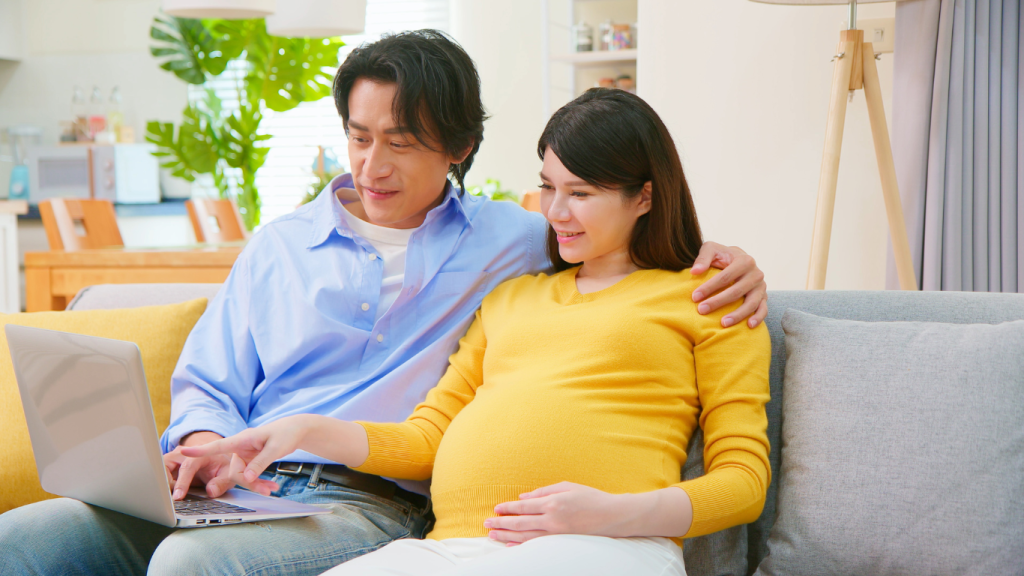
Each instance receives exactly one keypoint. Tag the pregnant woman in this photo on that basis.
(555, 439)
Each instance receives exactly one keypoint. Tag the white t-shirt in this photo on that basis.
(391, 244)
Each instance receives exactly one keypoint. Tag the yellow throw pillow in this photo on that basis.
(159, 332)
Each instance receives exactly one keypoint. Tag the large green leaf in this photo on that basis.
(200, 145)
(162, 134)
(299, 70)
(242, 148)
(191, 51)
(233, 37)
(281, 73)
(195, 148)
(287, 71)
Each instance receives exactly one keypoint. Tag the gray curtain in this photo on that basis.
(958, 139)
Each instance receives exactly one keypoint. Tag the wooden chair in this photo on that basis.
(216, 220)
(531, 200)
(96, 217)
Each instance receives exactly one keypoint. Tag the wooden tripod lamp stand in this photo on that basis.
(855, 69)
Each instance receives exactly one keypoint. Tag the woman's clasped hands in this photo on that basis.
(568, 508)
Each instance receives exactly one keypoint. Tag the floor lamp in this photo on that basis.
(855, 69)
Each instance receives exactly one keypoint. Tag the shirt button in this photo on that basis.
(380, 337)
(373, 256)
(365, 306)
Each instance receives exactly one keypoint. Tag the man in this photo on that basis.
(348, 307)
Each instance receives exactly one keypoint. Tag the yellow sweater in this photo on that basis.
(602, 389)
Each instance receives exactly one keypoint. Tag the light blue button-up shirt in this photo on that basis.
(287, 333)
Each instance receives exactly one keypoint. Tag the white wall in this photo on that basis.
(744, 89)
(503, 39)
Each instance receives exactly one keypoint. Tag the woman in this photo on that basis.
(568, 407)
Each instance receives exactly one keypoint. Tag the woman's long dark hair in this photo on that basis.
(613, 139)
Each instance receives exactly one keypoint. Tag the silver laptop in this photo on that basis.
(94, 436)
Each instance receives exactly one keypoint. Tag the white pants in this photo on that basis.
(557, 555)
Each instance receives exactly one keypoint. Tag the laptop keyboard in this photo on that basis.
(195, 506)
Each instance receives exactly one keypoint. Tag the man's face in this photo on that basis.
(398, 179)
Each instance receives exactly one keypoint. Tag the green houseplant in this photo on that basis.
(492, 189)
(278, 74)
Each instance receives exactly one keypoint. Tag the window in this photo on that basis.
(287, 173)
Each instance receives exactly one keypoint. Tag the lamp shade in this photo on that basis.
(226, 9)
(318, 18)
(819, 2)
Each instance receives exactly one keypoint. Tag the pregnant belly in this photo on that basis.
(485, 459)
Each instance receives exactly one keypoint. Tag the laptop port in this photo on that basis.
(214, 521)
(200, 521)
(232, 520)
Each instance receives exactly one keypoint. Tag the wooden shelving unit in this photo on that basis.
(598, 58)
(581, 65)
(11, 48)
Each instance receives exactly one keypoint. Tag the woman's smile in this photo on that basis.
(566, 237)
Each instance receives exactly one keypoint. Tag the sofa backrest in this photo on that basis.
(736, 551)
(111, 296)
(739, 550)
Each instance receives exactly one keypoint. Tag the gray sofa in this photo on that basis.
(739, 551)
(736, 551)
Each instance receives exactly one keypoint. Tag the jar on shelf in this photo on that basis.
(97, 115)
(605, 83)
(621, 38)
(582, 37)
(604, 35)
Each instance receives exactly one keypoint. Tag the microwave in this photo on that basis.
(121, 173)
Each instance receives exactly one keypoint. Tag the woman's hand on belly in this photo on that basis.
(568, 508)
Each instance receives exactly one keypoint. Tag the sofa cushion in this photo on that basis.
(902, 449)
(159, 332)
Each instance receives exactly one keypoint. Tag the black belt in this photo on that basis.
(344, 476)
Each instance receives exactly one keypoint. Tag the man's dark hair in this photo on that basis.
(437, 99)
(613, 139)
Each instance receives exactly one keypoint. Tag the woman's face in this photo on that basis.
(592, 223)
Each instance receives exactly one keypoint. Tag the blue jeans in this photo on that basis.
(64, 536)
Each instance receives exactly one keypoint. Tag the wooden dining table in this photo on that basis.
(52, 278)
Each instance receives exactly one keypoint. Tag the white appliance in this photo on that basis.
(125, 174)
(58, 172)
(121, 173)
